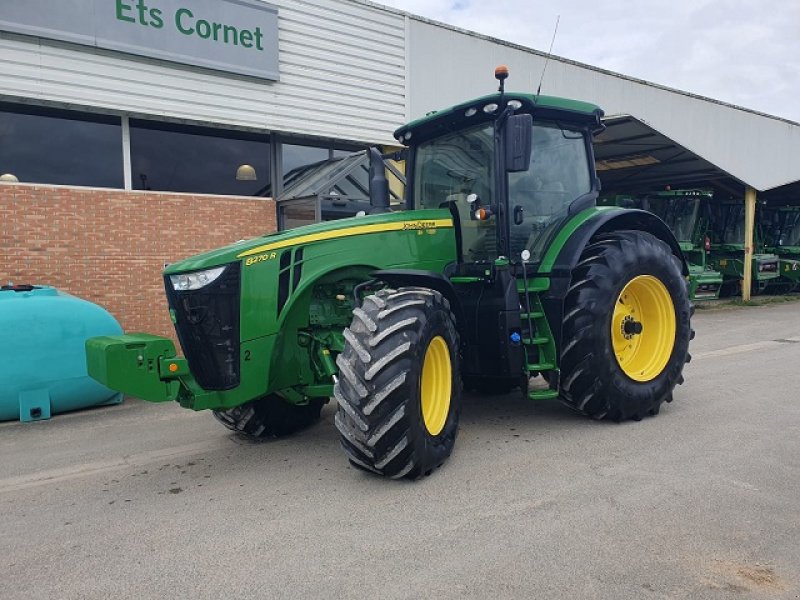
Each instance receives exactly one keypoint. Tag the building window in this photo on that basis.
(201, 160)
(295, 158)
(43, 145)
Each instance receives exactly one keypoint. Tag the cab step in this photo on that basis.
(532, 315)
(537, 341)
(543, 394)
(539, 367)
(533, 285)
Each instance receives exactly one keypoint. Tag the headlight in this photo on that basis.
(768, 267)
(184, 282)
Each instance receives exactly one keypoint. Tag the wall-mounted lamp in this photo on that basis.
(246, 173)
(9, 178)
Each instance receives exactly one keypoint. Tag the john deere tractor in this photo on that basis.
(727, 250)
(502, 268)
(782, 231)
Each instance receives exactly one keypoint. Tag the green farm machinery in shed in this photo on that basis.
(781, 225)
(728, 246)
(687, 214)
(501, 268)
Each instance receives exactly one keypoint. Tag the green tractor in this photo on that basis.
(727, 250)
(501, 268)
(782, 227)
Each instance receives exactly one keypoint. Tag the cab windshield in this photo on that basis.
(539, 198)
(790, 228)
(680, 214)
(730, 220)
(450, 168)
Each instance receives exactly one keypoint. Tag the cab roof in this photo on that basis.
(544, 107)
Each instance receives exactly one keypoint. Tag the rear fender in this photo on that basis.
(616, 220)
(607, 221)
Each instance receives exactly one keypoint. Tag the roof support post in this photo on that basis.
(749, 226)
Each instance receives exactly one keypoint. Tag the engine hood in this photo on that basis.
(308, 234)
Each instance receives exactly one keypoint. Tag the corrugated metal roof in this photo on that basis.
(448, 64)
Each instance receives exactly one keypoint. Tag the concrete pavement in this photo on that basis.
(703, 501)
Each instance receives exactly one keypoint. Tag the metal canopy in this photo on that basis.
(332, 189)
(632, 157)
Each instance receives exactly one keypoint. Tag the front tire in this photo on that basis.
(626, 328)
(270, 417)
(399, 385)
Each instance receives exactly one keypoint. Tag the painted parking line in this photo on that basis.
(742, 348)
(12, 484)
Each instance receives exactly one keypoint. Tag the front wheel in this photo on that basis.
(270, 416)
(626, 328)
(399, 385)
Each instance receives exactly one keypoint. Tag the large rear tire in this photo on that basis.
(399, 386)
(626, 328)
(270, 417)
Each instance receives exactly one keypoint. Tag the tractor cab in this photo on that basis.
(782, 234)
(727, 249)
(782, 226)
(684, 212)
(511, 168)
(687, 214)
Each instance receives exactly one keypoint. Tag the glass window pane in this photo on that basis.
(448, 170)
(199, 160)
(297, 213)
(559, 173)
(340, 151)
(41, 145)
(455, 165)
(296, 157)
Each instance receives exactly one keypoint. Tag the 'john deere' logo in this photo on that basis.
(417, 225)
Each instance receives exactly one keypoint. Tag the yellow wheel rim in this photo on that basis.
(436, 385)
(643, 328)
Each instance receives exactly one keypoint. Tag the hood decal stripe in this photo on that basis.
(415, 225)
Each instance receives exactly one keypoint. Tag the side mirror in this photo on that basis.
(518, 134)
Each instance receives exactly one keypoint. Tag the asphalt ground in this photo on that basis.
(703, 501)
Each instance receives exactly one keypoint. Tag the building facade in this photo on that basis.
(136, 132)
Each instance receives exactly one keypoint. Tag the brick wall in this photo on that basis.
(109, 247)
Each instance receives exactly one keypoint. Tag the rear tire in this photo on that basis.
(270, 416)
(626, 328)
(399, 385)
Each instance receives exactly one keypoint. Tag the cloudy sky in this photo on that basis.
(746, 52)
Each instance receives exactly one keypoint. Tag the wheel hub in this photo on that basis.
(631, 327)
(643, 328)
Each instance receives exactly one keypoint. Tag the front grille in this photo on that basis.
(207, 324)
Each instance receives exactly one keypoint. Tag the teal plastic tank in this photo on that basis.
(42, 356)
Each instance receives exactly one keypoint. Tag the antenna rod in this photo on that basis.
(549, 53)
